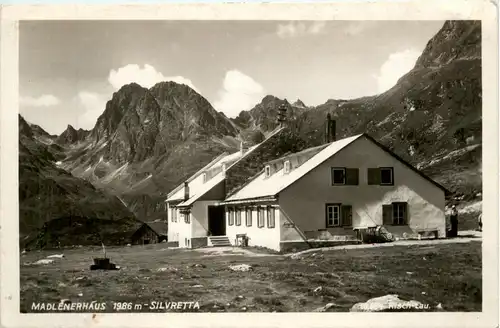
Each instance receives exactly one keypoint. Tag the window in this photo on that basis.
(333, 215)
(338, 176)
(399, 213)
(270, 217)
(268, 171)
(172, 214)
(187, 217)
(395, 214)
(286, 167)
(386, 175)
(345, 176)
(260, 217)
(346, 211)
(381, 176)
(230, 217)
(248, 217)
(238, 217)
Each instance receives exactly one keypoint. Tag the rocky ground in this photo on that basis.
(445, 277)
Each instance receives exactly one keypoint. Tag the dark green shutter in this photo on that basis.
(346, 217)
(373, 176)
(352, 177)
(387, 214)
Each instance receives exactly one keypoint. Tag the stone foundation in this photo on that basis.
(295, 246)
(172, 244)
(199, 242)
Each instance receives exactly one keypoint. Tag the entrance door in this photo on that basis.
(216, 221)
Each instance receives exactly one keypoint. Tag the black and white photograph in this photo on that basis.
(251, 166)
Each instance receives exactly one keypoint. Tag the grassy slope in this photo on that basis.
(448, 273)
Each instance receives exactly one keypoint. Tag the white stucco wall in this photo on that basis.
(194, 185)
(304, 201)
(199, 218)
(265, 237)
(180, 230)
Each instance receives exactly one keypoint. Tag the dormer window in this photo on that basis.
(286, 168)
(267, 169)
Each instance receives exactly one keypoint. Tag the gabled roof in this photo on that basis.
(261, 186)
(206, 187)
(160, 227)
(387, 150)
(200, 171)
(270, 186)
(200, 189)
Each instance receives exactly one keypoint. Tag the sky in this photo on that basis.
(68, 70)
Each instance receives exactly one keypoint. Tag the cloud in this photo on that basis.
(42, 101)
(297, 29)
(146, 77)
(398, 64)
(239, 92)
(93, 105)
(357, 28)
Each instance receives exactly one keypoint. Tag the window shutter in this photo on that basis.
(405, 215)
(387, 214)
(373, 176)
(346, 215)
(352, 177)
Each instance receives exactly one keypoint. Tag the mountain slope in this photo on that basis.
(149, 140)
(431, 117)
(51, 196)
(263, 117)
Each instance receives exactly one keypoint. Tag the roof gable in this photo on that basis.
(411, 167)
(159, 227)
(262, 186)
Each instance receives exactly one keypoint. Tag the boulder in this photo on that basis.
(386, 303)
(240, 267)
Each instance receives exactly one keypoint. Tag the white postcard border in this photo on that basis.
(411, 10)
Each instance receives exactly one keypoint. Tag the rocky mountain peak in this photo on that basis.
(71, 136)
(299, 103)
(456, 40)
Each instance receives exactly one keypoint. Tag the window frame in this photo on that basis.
(391, 169)
(260, 217)
(172, 213)
(287, 167)
(230, 217)
(267, 170)
(271, 214)
(342, 222)
(401, 221)
(333, 205)
(248, 216)
(344, 170)
(187, 217)
(237, 214)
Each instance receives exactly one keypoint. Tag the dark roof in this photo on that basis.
(387, 150)
(160, 227)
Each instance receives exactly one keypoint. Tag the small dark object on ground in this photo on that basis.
(103, 264)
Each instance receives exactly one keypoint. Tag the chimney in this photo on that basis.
(242, 148)
(328, 136)
(186, 191)
(333, 130)
(330, 129)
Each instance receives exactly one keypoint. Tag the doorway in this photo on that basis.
(216, 221)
